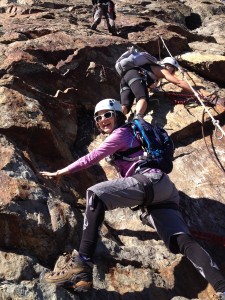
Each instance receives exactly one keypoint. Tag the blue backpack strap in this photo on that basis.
(138, 124)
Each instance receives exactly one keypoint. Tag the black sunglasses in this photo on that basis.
(106, 115)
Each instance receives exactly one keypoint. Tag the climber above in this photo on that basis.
(141, 182)
(106, 9)
(136, 82)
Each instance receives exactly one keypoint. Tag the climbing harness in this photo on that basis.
(197, 95)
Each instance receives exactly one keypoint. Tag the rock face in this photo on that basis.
(53, 70)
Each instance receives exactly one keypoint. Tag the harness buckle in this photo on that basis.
(144, 218)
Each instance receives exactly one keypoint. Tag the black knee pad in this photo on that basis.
(182, 242)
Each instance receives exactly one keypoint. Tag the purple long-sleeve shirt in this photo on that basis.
(121, 139)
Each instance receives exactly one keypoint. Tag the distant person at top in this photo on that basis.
(106, 9)
(136, 82)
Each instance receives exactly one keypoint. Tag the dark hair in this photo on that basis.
(120, 119)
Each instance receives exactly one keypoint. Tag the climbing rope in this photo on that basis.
(179, 98)
(214, 158)
(197, 95)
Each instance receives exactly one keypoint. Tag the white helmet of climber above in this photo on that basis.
(171, 61)
(108, 104)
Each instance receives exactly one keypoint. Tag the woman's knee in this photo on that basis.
(182, 242)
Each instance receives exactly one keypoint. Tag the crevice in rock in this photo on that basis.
(111, 262)
(86, 129)
(125, 30)
(194, 130)
(36, 33)
(193, 21)
(50, 57)
(49, 16)
(190, 36)
(54, 5)
(38, 140)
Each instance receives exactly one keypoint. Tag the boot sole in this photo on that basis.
(81, 286)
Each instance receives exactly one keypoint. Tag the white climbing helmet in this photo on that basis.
(171, 61)
(108, 104)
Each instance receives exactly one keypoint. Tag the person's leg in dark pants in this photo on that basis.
(94, 217)
(78, 271)
(137, 86)
(201, 260)
(97, 18)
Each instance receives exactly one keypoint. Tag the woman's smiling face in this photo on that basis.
(105, 120)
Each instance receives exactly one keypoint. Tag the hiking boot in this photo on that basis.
(73, 273)
(63, 260)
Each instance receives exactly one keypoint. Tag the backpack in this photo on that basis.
(133, 58)
(157, 145)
